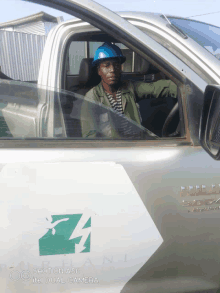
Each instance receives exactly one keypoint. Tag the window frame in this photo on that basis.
(163, 140)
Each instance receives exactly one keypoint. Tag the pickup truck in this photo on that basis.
(140, 213)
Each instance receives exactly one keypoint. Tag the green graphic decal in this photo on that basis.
(61, 237)
(88, 224)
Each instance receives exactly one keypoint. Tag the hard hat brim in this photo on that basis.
(98, 61)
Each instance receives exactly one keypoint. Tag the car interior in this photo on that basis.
(79, 77)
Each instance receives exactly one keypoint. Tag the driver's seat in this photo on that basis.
(87, 79)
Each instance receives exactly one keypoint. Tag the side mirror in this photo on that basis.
(209, 133)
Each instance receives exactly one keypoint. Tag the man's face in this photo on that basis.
(110, 71)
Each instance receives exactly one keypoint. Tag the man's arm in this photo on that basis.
(158, 89)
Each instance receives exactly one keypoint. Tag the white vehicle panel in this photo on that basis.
(45, 201)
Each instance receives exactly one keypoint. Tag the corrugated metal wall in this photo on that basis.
(20, 54)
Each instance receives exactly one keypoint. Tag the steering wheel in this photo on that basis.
(169, 120)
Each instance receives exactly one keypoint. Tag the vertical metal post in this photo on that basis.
(86, 49)
(133, 57)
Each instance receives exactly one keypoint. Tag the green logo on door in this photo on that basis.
(66, 234)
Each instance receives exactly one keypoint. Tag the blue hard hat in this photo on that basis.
(107, 51)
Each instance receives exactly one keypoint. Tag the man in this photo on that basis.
(121, 96)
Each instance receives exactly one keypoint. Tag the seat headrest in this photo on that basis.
(85, 70)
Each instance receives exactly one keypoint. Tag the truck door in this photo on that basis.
(105, 215)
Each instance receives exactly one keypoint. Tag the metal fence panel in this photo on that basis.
(20, 54)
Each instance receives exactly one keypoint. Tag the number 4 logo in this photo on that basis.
(66, 234)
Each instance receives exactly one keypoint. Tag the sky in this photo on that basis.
(14, 9)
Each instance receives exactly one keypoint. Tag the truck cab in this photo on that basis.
(137, 213)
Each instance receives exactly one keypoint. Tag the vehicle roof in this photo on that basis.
(151, 15)
(156, 16)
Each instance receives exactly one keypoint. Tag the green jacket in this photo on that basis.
(131, 93)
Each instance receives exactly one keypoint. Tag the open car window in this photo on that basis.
(29, 111)
(153, 111)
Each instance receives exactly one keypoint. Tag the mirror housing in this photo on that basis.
(209, 133)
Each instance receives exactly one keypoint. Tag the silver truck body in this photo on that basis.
(143, 214)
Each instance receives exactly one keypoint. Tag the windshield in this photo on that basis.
(208, 36)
